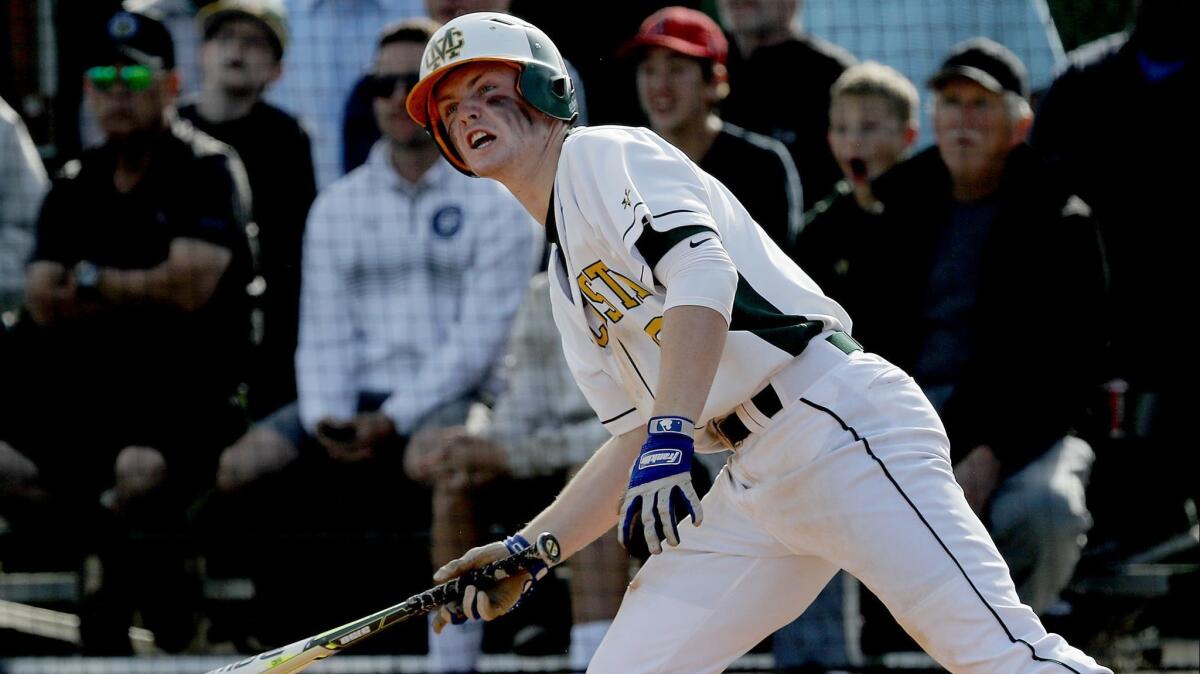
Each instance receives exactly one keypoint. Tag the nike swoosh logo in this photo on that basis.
(693, 244)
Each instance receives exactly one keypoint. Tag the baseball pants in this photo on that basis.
(855, 474)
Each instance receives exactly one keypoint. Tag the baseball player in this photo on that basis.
(688, 330)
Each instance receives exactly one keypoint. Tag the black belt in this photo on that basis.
(767, 401)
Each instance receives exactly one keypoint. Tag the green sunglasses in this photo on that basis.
(135, 78)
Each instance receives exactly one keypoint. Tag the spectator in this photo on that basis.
(243, 44)
(981, 243)
(332, 43)
(140, 328)
(179, 16)
(912, 36)
(359, 131)
(401, 257)
(768, 45)
(22, 184)
(680, 55)
(540, 428)
(872, 125)
(1140, 182)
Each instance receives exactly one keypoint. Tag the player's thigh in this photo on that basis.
(909, 535)
(697, 607)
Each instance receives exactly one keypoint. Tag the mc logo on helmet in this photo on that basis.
(443, 47)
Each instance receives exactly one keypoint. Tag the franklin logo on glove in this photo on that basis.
(670, 457)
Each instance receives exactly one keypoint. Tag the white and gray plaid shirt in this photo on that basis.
(408, 289)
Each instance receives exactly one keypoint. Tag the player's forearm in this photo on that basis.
(587, 508)
(693, 339)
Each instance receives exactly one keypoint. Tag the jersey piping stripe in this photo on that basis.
(635, 219)
(753, 313)
(678, 210)
(636, 369)
(867, 445)
(612, 419)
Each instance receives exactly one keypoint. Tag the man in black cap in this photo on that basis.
(988, 285)
(240, 57)
(138, 330)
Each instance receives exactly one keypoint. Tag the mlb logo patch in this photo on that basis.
(668, 425)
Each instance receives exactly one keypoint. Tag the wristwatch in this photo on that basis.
(87, 277)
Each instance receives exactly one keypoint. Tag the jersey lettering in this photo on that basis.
(654, 329)
(599, 300)
(627, 292)
(599, 270)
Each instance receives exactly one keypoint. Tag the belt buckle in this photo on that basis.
(719, 433)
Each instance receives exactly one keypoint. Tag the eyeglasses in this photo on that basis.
(135, 78)
(383, 86)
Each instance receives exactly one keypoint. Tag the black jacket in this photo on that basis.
(1128, 147)
(1039, 312)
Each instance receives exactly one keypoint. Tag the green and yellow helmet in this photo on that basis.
(491, 36)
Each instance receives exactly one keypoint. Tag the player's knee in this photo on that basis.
(138, 470)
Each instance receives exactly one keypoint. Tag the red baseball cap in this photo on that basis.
(687, 31)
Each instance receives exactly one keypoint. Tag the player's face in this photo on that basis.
(238, 57)
(974, 129)
(866, 136)
(127, 109)
(397, 68)
(488, 121)
(672, 90)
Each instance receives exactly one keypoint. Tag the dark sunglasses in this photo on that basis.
(135, 78)
(383, 86)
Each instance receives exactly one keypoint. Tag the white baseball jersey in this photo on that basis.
(616, 186)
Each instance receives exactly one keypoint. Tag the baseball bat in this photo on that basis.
(299, 655)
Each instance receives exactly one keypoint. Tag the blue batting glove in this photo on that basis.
(660, 485)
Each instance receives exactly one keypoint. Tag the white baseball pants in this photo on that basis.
(855, 474)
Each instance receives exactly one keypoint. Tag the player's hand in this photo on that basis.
(660, 485)
(491, 602)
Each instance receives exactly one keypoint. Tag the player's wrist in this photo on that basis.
(670, 426)
(518, 543)
(669, 432)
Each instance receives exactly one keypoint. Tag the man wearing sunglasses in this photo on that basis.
(240, 57)
(140, 328)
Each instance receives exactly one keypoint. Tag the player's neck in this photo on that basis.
(533, 183)
(695, 138)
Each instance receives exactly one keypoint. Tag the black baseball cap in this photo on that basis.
(986, 62)
(130, 36)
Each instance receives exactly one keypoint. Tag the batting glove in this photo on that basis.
(660, 485)
(476, 604)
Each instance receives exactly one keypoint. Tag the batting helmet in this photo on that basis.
(492, 36)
